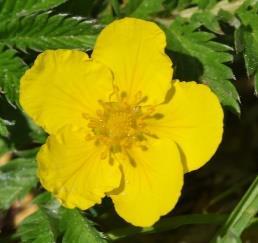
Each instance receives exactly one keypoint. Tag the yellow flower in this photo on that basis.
(118, 126)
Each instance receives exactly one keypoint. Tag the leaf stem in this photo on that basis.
(167, 224)
(241, 217)
(116, 7)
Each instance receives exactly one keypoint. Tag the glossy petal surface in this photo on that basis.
(61, 86)
(151, 185)
(134, 50)
(71, 167)
(194, 120)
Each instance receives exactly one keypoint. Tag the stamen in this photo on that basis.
(121, 123)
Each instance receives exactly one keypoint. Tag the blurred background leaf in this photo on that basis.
(241, 217)
(17, 178)
(11, 70)
(246, 39)
(38, 227)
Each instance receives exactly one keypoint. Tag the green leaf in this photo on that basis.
(116, 7)
(208, 20)
(17, 8)
(256, 83)
(41, 32)
(4, 147)
(37, 228)
(3, 128)
(183, 38)
(144, 8)
(241, 217)
(205, 3)
(246, 41)
(17, 178)
(11, 69)
(37, 134)
(184, 4)
(43, 199)
(82, 230)
(168, 224)
(131, 6)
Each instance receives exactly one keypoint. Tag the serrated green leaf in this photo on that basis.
(17, 177)
(246, 40)
(183, 38)
(41, 32)
(144, 8)
(208, 20)
(228, 17)
(37, 228)
(82, 231)
(11, 69)
(17, 8)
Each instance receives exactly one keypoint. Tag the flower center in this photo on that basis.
(119, 125)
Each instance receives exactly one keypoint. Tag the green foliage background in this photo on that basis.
(210, 41)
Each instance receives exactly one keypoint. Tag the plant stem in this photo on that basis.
(168, 224)
(116, 7)
(241, 217)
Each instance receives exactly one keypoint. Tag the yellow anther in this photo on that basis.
(119, 124)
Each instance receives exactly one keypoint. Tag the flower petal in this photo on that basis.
(134, 50)
(62, 85)
(194, 120)
(151, 185)
(71, 167)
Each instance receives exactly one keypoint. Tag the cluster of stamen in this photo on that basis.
(120, 124)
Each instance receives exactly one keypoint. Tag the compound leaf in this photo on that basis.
(246, 40)
(82, 231)
(41, 32)
(17, 178)
(37, 228)
(11, 69)
(184, 38)
(17, 8)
